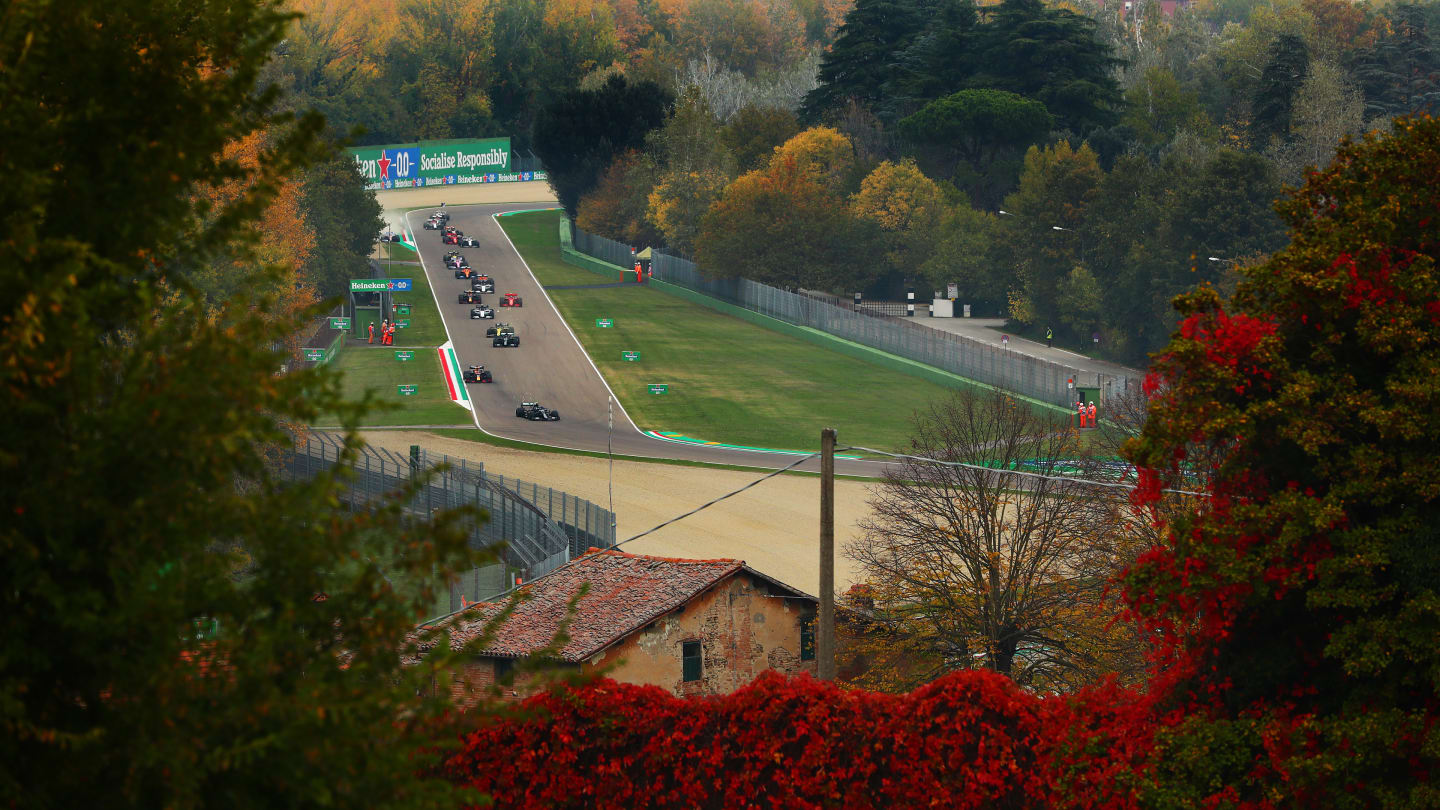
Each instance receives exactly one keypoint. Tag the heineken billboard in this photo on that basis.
(381, 284)
(438, 163)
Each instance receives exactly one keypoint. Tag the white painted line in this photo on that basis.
(495, 219)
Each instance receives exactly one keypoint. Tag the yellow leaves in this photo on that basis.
(899, 197)
(820, 153)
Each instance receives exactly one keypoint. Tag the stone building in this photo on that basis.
(693, 627)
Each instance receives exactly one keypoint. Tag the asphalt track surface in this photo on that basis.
(549, 366)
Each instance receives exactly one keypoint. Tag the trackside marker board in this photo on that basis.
(630, 356)
(403, 356)
(406, 390)
(604, 323)
(339, 323)
(314, 355)
(659, 388)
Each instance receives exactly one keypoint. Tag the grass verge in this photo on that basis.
(425, 330)
(534, 235)
(375, 369)
(727, 380)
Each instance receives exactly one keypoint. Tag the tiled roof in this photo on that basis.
(627, 592)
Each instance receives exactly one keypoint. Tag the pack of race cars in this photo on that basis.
(501, 335)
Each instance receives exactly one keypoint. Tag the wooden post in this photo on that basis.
(825, 640)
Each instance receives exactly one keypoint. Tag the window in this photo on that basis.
(690, 657)
(503, 668)
(807, 638)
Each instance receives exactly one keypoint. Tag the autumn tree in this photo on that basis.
(781, 226)
(618, 207)
(968, 567)
(1294, 608)
(907, 206)
(822, 154)
(179, 627)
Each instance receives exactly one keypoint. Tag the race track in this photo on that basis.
(549, 365)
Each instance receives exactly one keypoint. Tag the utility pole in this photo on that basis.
(825, 639)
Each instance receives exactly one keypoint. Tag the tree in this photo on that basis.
(963, 255)
(1157, 107)
(862, 59)
(578, 135)
(1400, 74)
(968, 568)
(678, 202)
(1052, 56)
(1293, 609)
(179, 629)
(1081, 301)
(822, 154)
(618, 207)
(1056, 187)
(441, 63)
(907, 206)
(781, 226)
(976, 124)
(1326, 110)
(344, 217)
(1287, 63)
(754, 132)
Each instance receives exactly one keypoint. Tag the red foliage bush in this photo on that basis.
(970, 740)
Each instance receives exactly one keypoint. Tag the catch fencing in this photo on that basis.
(541, 528)
(1028, 376)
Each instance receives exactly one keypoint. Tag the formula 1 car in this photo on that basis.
(482, 283)
(470, 297)
(478, 374)
(464, 271)
(510, 300)
(469, 241)
(431, 225)
(500, 329)
(450, 239)
(443, 216)
(481, 311)
(452, 256)
(389, 236)
(536, 412)
(506, 339)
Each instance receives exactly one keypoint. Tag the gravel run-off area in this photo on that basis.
(774, 527)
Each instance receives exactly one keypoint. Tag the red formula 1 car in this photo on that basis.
(510, 300)
(451, 239)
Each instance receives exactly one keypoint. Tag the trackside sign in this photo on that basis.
(438, 163)
(381, 284)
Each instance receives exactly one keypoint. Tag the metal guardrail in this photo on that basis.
(1033, 377)
(542, 528)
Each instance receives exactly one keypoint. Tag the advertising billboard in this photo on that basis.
(438, 163)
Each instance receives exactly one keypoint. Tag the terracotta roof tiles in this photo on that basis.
(627, 592)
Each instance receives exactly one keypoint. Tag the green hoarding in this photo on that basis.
(403, 356)
(604, 323)
(437, 163)
(659, 388)
(339, 323)
(406, 390)
(630, 356)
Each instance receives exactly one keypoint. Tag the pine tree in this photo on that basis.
(864, 58)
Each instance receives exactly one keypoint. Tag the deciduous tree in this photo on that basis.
(970, 568)
(908, 207)
(753, 132)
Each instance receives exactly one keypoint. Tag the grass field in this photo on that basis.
(376, 369)
(728, 380)
(536, 237)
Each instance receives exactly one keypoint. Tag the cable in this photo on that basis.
(1110, 484)
(759, 480)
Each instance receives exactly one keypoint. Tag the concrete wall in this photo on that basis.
(743, 630)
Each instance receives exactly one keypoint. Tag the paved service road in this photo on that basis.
(548, 366)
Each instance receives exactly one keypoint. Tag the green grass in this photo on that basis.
(729, 380)
(535, 234)
(396, 252)
(376, 369)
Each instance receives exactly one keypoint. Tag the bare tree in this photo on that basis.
(972, 566)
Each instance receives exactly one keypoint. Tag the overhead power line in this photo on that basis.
(704, 506)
